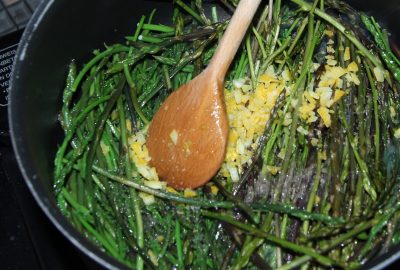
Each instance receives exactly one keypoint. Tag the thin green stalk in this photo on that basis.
(239, 70)
(149, 21)
(167, 78)
(67, 96)
(334, 243)
(99, 237)
(128, 171)
(298, 36)
(133, 94)
(150, 39)
(242, 205)
(99, 128)
(298, 213)
(276, 53)
(361, 163)
(138, 28)
(260, 42)
(276, 240)
(178, 242)
(214, 14)
(158, 27)
(299, 85)
(381, 223)
(145, 98)
(79, 119)
(251, 63)
(314, 189)
(189, 10)
(376, 117)
(363, 50)
(163, 194)
(94, 61)
(295, 263)
(78, 207)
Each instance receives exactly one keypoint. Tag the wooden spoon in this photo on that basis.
(188, 135)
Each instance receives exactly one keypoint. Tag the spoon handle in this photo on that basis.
(233, 37)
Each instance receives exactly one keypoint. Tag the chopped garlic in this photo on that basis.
(339, 83)
(155, 184)
(214, 190)
(287, 120)
(174, 136)
(104, 148)
(325, 94)
(238, 83)
(153, 257)
(172, 190)
(397, 133)
(323, 155)
(352, 67)
(331, 62)
(294, 102)
(338, 95)
(148, 199)
(392, 112)
(234, 174)
(301, 130)
(273, 169)
(140, 156)
(286, 75)
(147, 172)
(330, 49)
(256, 104)
(306, 110)
(329, 33)
(160, 238)
(379, 74)
(315, 67)
(128, 125)
(282, 154)
(314, 142)
(329, 57)
(325, 116)
(313, 94)
(312, 118)
(189, 193)
(354, 78)
(346, 55)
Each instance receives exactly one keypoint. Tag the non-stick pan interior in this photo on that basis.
(59, 32)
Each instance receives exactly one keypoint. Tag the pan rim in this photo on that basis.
(30, 177)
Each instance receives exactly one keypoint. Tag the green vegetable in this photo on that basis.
(315, 193)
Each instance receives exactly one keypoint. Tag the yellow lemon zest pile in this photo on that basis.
(189, 193)
(140, 156)
(318, 102)
(248, 112)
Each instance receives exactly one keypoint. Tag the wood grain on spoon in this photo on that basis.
(188, 135)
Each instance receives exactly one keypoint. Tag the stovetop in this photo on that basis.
(28, 240)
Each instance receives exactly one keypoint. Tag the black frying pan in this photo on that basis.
(63, 30)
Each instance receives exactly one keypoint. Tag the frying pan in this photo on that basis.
(61, 31)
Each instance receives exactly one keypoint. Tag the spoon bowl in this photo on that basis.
(188, 135)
